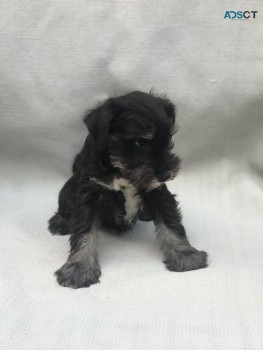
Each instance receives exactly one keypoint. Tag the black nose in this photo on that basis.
(163, 176)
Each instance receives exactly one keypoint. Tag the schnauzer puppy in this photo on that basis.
(119, 177)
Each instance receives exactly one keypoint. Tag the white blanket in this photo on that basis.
(58, 59)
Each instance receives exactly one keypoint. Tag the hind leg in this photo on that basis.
(59, 223)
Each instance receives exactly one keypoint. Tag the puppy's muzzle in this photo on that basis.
(164, 176)
(168, 169)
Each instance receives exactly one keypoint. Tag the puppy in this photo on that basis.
(119, 177)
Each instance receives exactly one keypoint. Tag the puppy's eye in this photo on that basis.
(141, 142)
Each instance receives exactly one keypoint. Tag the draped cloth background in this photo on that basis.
(58, 59)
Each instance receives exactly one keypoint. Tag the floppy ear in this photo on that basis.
(98, 123)
(168, 106)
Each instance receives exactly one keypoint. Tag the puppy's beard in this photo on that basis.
(141, 177)
(153, 185)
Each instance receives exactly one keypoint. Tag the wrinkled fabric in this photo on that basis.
(60, 58)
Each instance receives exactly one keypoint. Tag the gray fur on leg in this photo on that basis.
(82, 268)
(179, 254)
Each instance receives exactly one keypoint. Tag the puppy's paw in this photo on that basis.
(78, 274)
(186, 261)
(58, 225)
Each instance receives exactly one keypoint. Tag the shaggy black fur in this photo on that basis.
(118, 178)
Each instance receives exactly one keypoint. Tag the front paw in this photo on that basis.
(187, 260)
(78, 274)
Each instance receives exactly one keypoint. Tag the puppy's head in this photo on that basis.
(135, 131)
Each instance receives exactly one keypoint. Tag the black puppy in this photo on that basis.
(119, 177)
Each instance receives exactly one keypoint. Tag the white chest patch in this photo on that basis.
(131, 196)
(132, 202)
